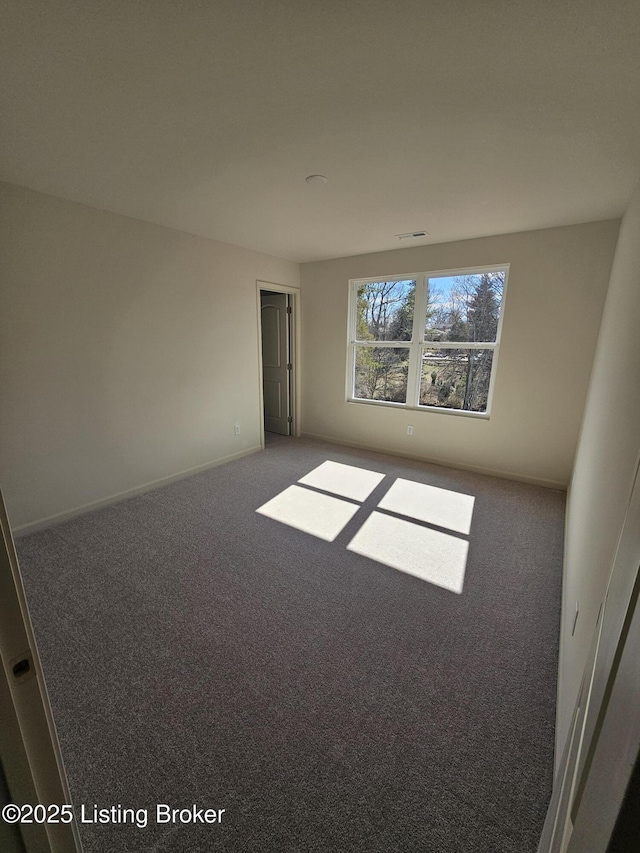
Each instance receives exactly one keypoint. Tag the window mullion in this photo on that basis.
(351, 330)
(461, 345)
(462, 371)
(415, 350)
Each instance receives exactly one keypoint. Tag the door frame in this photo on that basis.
(601, 750)
(31, 758)
(294, 347)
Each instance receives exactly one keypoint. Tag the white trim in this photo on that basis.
(50, 520)
(34, 766)
(383, 344)
(446, 463)
(435, 273)
(459, 345)
(427, 344)
(465, 413)
(414, 373)
(388, 404)
(350, 373)
(411, 276)
(295, 346)
(444, 273)
(418, 343)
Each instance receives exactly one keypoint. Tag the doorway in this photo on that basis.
(277, 330)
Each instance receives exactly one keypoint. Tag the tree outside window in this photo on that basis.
(428, 340)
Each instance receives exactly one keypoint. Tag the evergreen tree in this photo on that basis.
(459, 328)
(483, 309)
(482, 315)
(401, 325)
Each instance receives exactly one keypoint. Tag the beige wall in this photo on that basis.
(127, 352)
(605, 464)
(556, 291)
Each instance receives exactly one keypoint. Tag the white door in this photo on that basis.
(612, 725)
(605, 731)
(276, 363)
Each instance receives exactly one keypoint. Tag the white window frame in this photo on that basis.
(417, 344)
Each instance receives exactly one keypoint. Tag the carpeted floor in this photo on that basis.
(198, 652)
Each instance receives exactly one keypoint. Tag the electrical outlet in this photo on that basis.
(409, 430)
(236, 429)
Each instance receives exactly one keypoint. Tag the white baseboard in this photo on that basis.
(447, 463)
(49, 521)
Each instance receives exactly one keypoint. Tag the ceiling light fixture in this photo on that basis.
(412, 235)
(316, 179)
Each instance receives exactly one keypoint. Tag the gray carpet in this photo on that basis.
(198, 652)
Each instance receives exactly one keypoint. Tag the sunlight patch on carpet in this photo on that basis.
(345, 480)
(430, 555)
(319, 515)
(431, 504)
(425, 549)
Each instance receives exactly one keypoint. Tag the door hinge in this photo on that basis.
(289, 309)
(289, 420)
(289, 366)
(23, 668)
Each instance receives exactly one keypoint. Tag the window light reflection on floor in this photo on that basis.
(433, 555)
(440, 507)
(311, 512)
(345, 480)
(436, 557)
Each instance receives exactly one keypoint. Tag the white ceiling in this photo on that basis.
(461, 117)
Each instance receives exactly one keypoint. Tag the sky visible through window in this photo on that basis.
(452, 338)
(468, 303)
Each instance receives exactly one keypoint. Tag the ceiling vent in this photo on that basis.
(412, 235)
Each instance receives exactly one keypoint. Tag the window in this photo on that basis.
(426, 341)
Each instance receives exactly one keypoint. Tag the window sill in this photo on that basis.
(484, 416)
